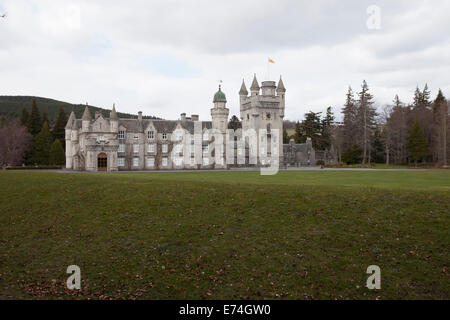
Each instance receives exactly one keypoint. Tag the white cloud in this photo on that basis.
(165, 57)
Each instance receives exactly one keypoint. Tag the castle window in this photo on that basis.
(121, 147)
(150, 134)
(205, 147)
(205, 161)
(136, 162)
(151, 147)
(135, 148)
(150, 162)
(178, 148)
(136, 137)
(192, 148)
(268, 115)
(164, 136)
(121, 135)
(178, 161)
(121, 162)
(164, 148)
(192, 161)
(206, 136)
(164, 161)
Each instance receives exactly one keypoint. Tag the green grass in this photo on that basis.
(225, 235)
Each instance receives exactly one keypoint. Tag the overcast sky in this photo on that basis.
(166, 57)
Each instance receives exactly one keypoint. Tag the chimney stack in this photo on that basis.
(183, 116)
(194, 117)
(140, 115)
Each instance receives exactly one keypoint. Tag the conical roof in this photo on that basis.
(113, 114)
(243, 91)
(255, 85)
(86, 114)
(281, 87)
(71, 121)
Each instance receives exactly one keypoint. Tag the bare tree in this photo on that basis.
(14, 142)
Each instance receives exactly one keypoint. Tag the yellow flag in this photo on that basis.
(271, 61)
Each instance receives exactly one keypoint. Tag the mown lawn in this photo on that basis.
(225, 235)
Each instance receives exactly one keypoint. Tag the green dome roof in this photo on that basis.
(220, 96)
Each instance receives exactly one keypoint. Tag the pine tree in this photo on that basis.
(298, 135)
(365, 119)
(349, 123)
(45, 119)
(40, 148)
(326, 129)
(234, 123)
(417, 144)
(59, 128)
(378, 149)
(24, 117)
(57, 156)
(439, 135)
(34, 123)
(286, 137)
(426, 97)
(417, 97)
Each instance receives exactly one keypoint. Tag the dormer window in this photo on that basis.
(164, 136)
(121, 135)
(150, 134)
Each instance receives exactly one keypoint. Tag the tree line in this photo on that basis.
(30, 140)
(399, 133)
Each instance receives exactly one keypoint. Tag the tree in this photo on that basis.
(312, 128)
(59, 130)
(34, 123)
(439, 138)
(378, 148)
(24, 117)
(349, 127)
(40, 148)
(417, 144)
(365, 119)
(286, 137)
(234, 123)
(352, 155)
(14, 142)
(298, 136)
(327, 129)
(57, 156)
(45, 119)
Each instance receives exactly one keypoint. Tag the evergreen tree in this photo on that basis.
(59, 130)
(440, 128)
(234, 123)
(417, 97)
(378, 150)
(40, 148)
(286, 136)
(312, 128)
(426, 97)
(349, 122)
(365, 119)
(45, 119)
(327, 129)
(352, 155)
(298, 135)
(24, 117)
(417, 144)
(57, 156)
(34, 123)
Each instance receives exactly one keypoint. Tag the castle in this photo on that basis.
(113, 144)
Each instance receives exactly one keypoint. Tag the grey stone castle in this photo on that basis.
(113, 144)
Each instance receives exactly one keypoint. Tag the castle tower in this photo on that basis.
(265, 110)
(243, 93)
(70, 133)
(219, 113)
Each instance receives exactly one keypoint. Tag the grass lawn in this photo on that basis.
(225, 235)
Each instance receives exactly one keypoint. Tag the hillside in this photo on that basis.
(11, 107)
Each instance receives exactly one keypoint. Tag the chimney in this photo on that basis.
(194, 117)
(183, 116)
(140, 115)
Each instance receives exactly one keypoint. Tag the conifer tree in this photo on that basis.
(57, 156)
(326, 129)
(34, 123)
(24, 117)
(59, 127)
(40, 148)
(349, 122)
(45, 119)
(286, 137)
(298, 135)
(426, 97)
(365, 118)
(417, 144)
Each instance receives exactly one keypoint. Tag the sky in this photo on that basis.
(167, 57)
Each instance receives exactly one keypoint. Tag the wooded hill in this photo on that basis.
(11, 107)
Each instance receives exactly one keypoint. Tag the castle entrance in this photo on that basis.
(102, 162)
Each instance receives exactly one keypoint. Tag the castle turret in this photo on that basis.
(114, 120)
(86, 120)
(71, 125)
(219, 113)
(254, 89)
(281, 90)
